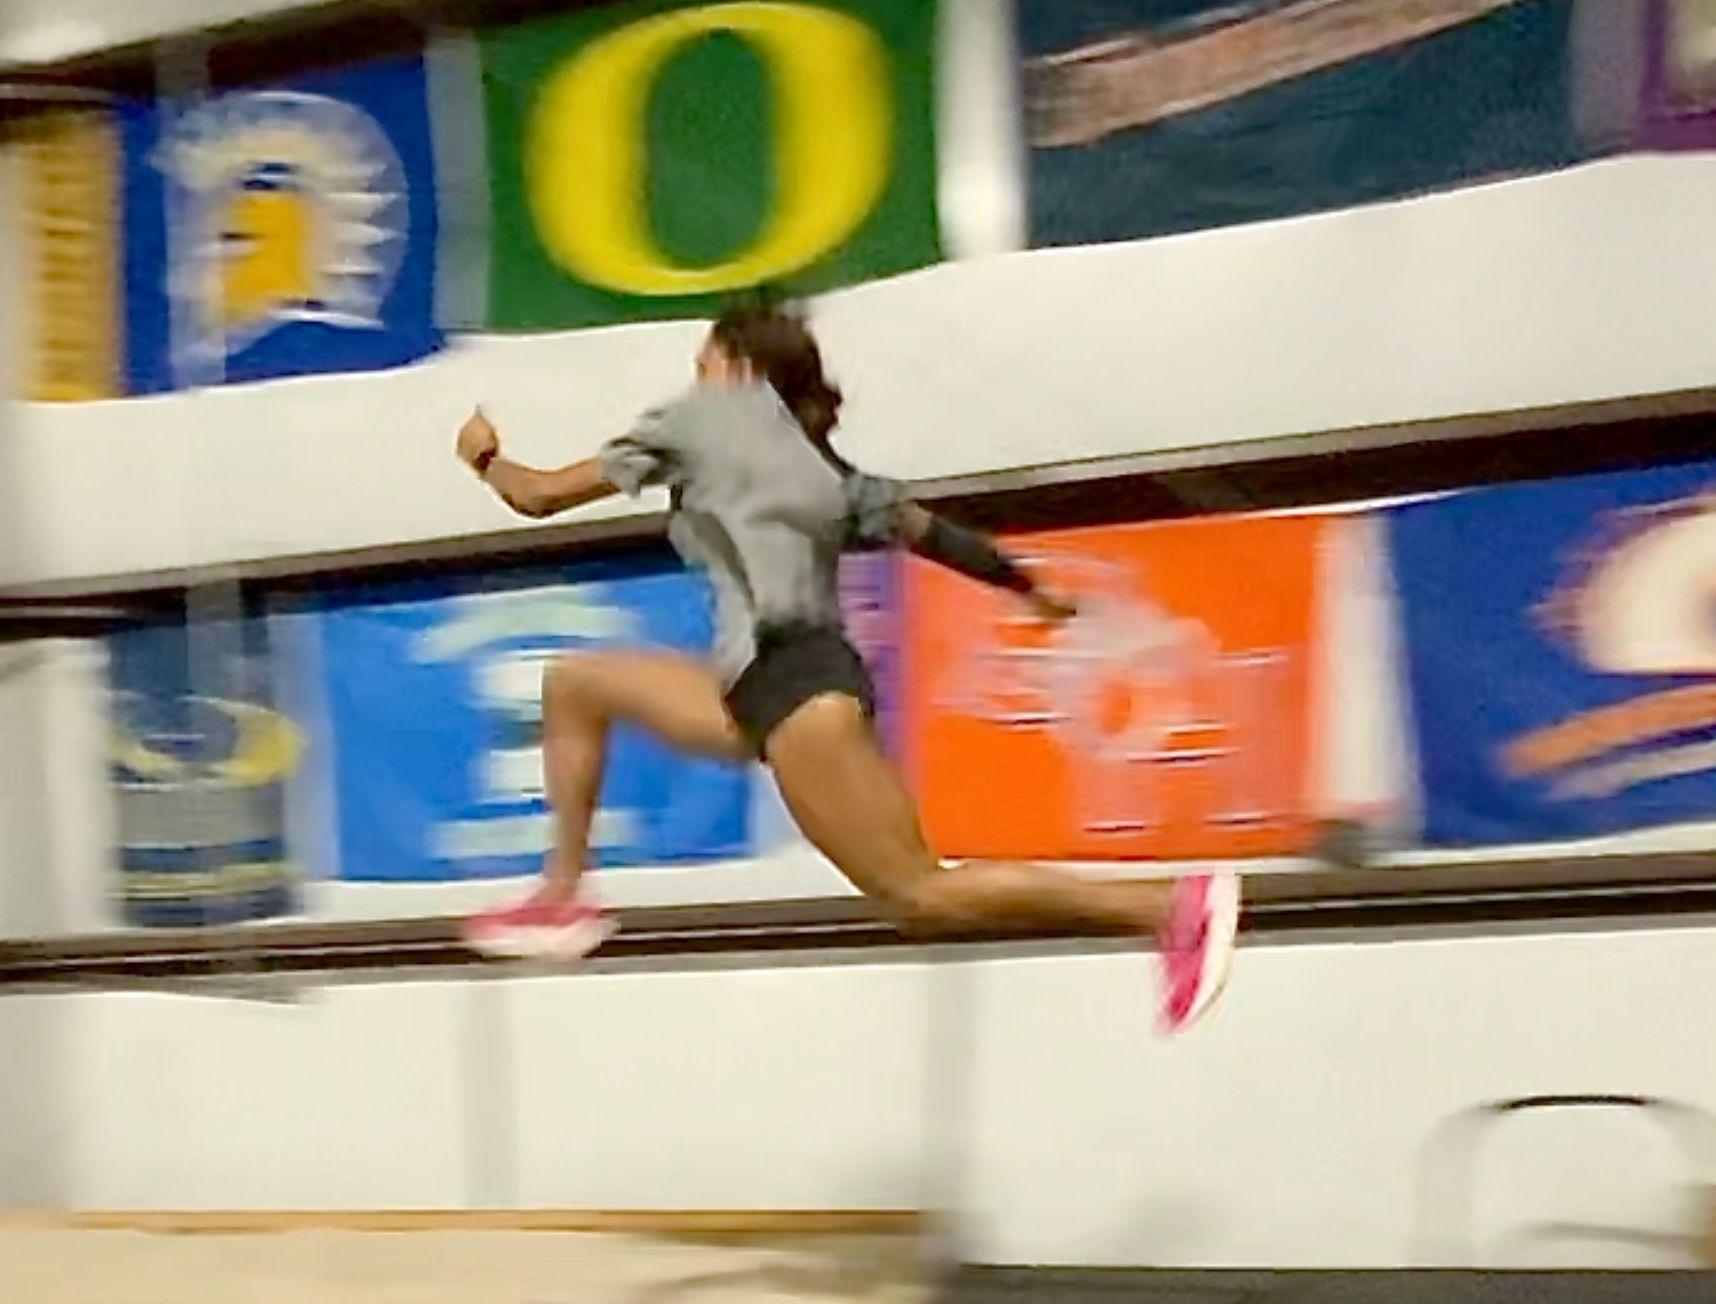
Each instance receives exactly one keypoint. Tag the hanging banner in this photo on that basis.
(1679, 75)
(1561, 655)
(69, 170)
(871, 585)
(282, 231)
(1169, 719)
(431, 706)
(200, 762)
(1146, 117)
(650, 160)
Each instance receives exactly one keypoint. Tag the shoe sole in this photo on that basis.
(1225, 893)
(567, 944)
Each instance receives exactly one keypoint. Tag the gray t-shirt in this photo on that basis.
(756, 505)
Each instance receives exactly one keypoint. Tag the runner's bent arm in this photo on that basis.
(881, 512)
(527, 490)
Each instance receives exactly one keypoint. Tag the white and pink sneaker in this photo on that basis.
(1197, 946)
(539, 927)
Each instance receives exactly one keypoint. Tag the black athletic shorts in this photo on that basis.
(793, 664)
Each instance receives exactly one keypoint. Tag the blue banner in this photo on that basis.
(431, 705)
(282, 231)
(200, 764)
(1148, 117)
(1561, 655)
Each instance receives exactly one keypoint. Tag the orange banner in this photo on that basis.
(1170, 719)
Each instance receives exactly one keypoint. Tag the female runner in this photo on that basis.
(764, 505)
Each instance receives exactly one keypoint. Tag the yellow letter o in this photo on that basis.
(584, 155)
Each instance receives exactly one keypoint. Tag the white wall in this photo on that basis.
(1587, 284)
(23, 832)
(36, 1125)
(353, 1099)
(764, 1089)
(56, 817)
(1291, 1129)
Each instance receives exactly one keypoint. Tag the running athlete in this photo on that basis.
(764, 505)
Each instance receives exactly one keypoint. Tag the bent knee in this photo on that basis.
(923, 907)
(577, 681)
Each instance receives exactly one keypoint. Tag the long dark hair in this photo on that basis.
(780, 348)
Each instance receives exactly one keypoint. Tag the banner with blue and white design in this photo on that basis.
(430, 705)
(1561, 655)
(200, 761)
(281, 231)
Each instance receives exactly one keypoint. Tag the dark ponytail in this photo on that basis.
(780, 348)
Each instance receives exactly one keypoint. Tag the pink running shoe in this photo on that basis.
(539, 927)
(1197, 946)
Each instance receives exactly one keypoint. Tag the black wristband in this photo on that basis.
(973, 554)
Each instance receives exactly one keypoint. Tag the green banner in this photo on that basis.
(655, 159)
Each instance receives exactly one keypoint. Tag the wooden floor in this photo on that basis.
(783, 1225)
(52, 1265)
